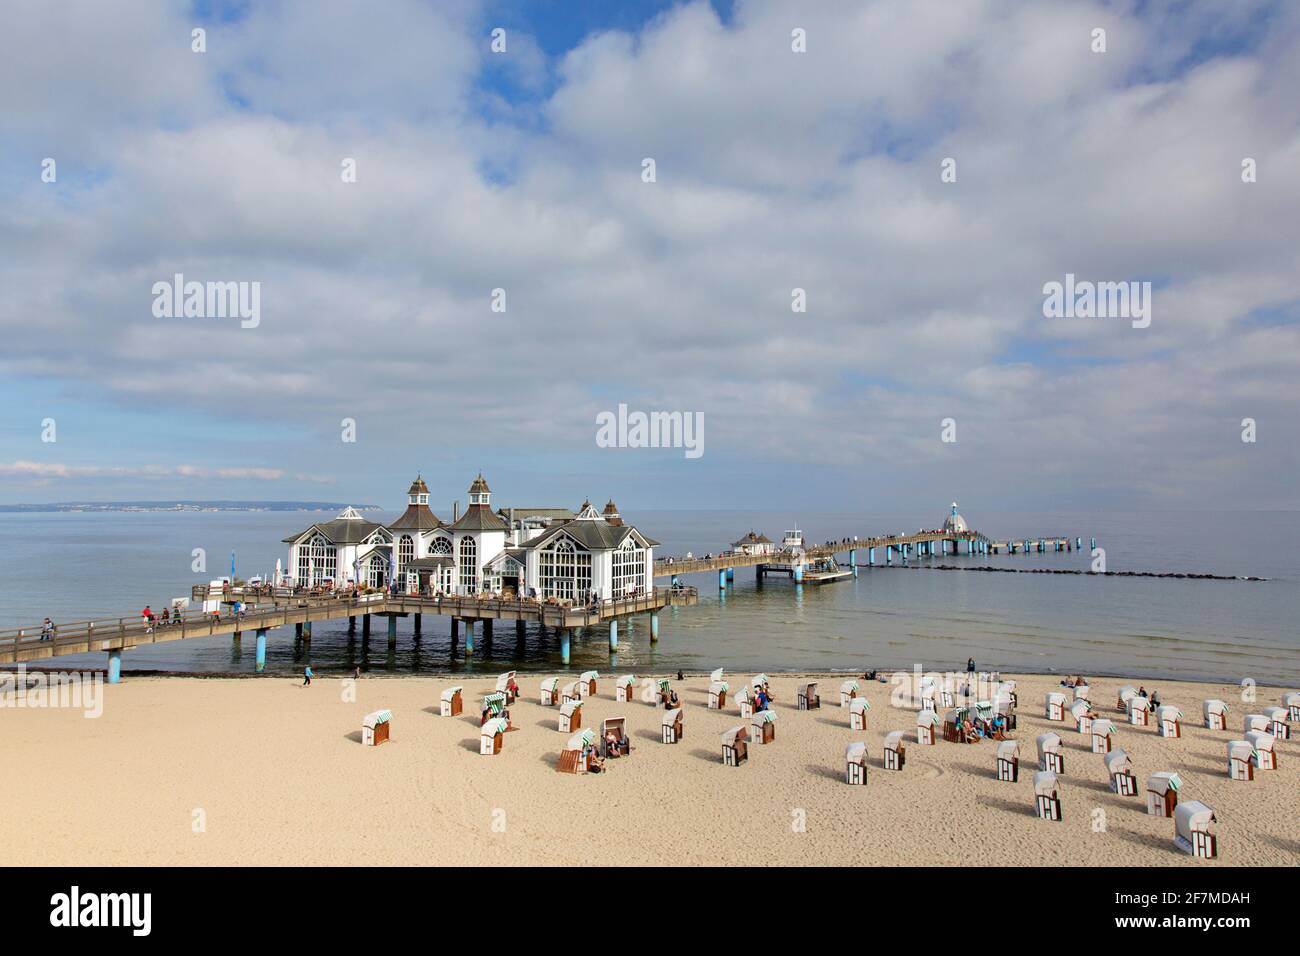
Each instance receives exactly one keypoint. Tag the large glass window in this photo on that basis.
(468, 565)
(316, 560)
(564, 571)
(377, 570)
(405, 551)
(440, 546)
(629, 568)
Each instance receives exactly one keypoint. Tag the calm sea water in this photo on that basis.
(80, 566)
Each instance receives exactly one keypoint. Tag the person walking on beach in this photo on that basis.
(307, 675)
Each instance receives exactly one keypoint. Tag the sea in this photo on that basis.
(95, 565)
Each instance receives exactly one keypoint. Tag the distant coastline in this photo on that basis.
(84, 506)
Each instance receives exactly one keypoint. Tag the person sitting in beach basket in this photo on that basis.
(506, 685)
(848, 692)
(926, 722)
(375, 727)
(450, 702)
(1008, 761)
(1169, 721)
(735, 749)
(858, 708)
(759, 682)
(855, 764)
(613, 738)
(718, 694)
(494, 705)
(1216, 714)
(895, 752)
(624, 688)
(745, 701)
(808, 699)
(587, 683)
(1103, 730)
(1291, 702)
(1126, 694)
(1049, 753)
(671, 726)
(1057, 704)
(550, 692)
(1241, 764)
(1082, 714)
(570, 691)
(1004, 706)
(1192, 833)
(490, 734)
(762, 726)
(575, 757)
(1139, 711)
(1046, 800)
(952, 728)
(1277, 722)
(1262, 745)
(570, 716)
(1162, 793)
(1120, 769)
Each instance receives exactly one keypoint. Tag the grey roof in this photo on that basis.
(479, 518)
(479, 486)
(438, 561)
(418, 487)
(563, 514)
(752, 538)
(415, 517)
(592, 535)
(340, 531)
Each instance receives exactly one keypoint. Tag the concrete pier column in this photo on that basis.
(297, 631)
(519, 630)
(654, 627)
(1092, 544)
(722, 579)
(731, 574)
(392, 629)
(487, 629)
(1078, 542)
(352, 624)
(115, 666)
(455, 629)
(306, 631)
(418, 622)
(260, 659)
(613, 634)
(798, 573)
(676, 582)
(365, 626)
(564, 645)
(889, 554)
(469, 637)
(871, 556)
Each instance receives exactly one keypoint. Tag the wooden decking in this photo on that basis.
(272, 611)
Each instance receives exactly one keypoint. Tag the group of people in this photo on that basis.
(978, 728)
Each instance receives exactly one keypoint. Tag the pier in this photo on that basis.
(275, 608)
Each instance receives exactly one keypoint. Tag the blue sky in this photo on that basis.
(776, 170)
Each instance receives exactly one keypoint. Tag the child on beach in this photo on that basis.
(307, 675)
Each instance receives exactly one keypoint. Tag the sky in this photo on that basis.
(922, 370)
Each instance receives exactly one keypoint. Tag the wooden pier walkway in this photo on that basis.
(272, 608)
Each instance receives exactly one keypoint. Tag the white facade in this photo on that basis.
(590, 555)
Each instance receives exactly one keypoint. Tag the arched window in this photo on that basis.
(316, 560)
(440, 546)
(405, 551)
(564, 571)
(468, 565)
(629, 568)
(377, 570)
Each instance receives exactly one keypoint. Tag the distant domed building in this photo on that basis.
(955, 522)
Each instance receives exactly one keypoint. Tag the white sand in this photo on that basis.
(280, 777)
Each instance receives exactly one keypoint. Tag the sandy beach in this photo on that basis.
(276, 774)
